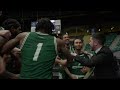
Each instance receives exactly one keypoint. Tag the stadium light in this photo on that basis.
(99, 30)
(87, 31)
(112, 28)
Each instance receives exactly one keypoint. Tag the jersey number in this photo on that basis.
(39, 46)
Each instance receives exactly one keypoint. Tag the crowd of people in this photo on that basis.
(32, 55)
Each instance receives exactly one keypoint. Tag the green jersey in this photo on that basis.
(38, 53)
(75, 67)
(63, 74)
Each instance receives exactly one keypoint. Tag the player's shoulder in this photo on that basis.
(60, 41)
(22, 35)
(5, 33)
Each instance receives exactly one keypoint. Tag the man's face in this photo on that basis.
(78, 44)
(15, 32)
(66, 38)
(93, 43)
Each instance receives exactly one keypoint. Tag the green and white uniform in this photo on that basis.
(38, 53)
(63, 74)
(75, 67)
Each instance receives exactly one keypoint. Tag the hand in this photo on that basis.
(58, 58)
(74, 76)
(85, 69)
(63, 62)
(60, 61)
(16, 52)
(74, 54)
(15, 76)
(89, 54)
(85, 52)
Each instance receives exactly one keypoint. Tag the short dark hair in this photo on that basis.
(9, 23)
(79, 39)
(64, 34)
(45, 24)
(100, 37)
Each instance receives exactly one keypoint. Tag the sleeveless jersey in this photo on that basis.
(38, 53)
(75, 67)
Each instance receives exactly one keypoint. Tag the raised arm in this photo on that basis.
(62, 49)
(91, 62)
(2, 41)
(12, 43)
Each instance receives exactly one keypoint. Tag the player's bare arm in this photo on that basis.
(62, 49)
(2, 41)
(13, 42)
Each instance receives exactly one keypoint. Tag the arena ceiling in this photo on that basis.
(38, 13)
(68, 17)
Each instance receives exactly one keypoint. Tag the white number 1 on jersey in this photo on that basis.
(37, 52)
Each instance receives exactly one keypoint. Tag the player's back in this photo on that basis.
(38, 53)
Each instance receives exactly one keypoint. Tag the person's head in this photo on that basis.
(66, 37)
(45, 25)
(78, 43)
(12, 25)
(97, 40)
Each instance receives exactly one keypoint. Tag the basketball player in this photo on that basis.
(12, 28)
(38, 51)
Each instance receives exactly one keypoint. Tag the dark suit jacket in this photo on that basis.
(103, 62)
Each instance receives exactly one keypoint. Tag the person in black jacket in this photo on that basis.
(103, 59)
